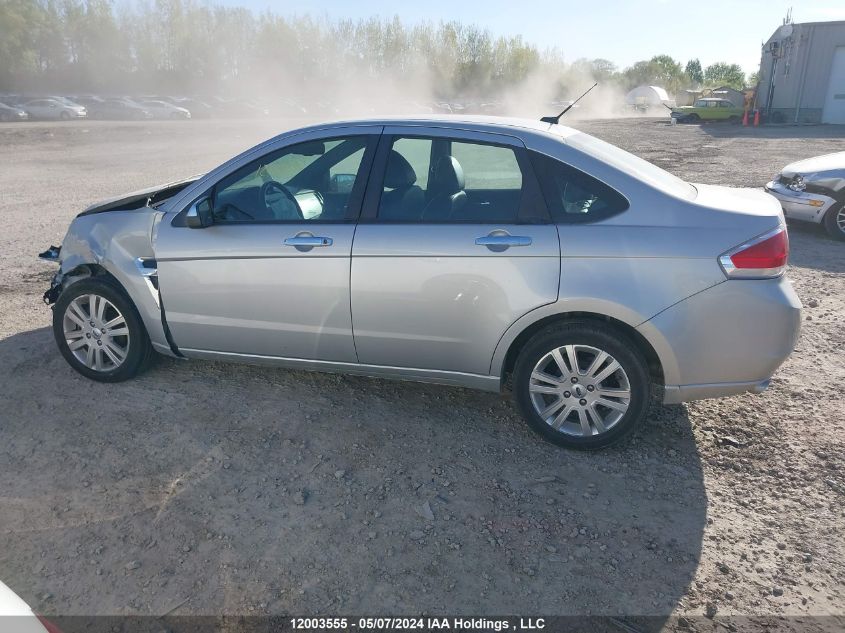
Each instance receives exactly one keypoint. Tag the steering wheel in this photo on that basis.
(280, 201)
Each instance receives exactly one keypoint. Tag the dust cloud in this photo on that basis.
(227, 61)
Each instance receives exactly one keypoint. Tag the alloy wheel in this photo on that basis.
(579, 390)
(840, 219)
(96, 332)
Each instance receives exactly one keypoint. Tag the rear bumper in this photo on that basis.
(675, 394)
(726, 340)
(800, 205)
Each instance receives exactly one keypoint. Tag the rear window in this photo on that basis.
(632, 165)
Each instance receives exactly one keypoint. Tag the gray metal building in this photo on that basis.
(802, 74)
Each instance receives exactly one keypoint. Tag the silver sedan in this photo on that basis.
(479, 252)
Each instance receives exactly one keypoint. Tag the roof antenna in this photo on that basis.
(556, 119)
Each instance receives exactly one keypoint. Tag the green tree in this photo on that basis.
(660, 70)
(694, 73)
(724, 74)
(602, 70)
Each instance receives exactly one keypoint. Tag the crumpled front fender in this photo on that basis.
(115, 242)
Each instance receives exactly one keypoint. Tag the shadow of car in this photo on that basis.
(303, 457)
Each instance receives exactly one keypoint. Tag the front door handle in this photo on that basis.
(308, 241)
(502, 241)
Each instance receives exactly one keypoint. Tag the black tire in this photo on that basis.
(64, 116)
(831, 223)
(606, 339)
(139, 352)
(693, 118)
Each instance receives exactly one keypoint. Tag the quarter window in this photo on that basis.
(573, 196)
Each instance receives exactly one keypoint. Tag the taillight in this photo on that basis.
(761, 258)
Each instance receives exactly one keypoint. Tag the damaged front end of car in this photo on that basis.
(113, 240)
(52, 255)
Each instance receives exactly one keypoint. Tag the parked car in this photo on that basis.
(118, 109)
(54, 109)
(198, 109)
(15, 100)
(479, 252)
(813, 190)
(708, 109)
(65, 100)
(165, 110)
(12, 113)
(17, 616)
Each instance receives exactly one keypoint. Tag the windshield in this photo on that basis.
(632, 165)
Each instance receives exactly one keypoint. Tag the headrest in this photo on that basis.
(449, 175)
(399, 171)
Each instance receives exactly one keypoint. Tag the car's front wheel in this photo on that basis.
(834, 222)
(99, 332)
(582, 385)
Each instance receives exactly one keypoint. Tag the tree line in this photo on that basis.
(188, 47)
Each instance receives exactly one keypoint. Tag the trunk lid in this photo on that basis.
(750, 207)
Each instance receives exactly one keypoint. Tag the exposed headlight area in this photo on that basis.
(796, 183)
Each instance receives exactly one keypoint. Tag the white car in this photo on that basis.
(17, 617)
(813, 190)
(54, 109)
(164, 110)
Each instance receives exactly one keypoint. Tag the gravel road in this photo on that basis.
(226, 489)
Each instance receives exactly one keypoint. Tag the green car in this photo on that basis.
(708, 109)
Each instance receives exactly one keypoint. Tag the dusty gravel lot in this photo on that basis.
(214, 488)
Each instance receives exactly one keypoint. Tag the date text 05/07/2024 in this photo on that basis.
(418, 623)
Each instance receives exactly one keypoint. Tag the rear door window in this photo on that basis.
(443, 180)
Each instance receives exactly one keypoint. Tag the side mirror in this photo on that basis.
(199, 214)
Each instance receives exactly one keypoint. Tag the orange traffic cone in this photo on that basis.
(745, 118)
(756, 118)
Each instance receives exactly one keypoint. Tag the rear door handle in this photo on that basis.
(503, 241)
(309, 241)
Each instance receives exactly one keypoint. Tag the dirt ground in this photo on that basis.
(205, 488)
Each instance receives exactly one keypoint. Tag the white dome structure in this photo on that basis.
(644, 96)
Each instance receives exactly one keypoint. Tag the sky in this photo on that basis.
(623, 31)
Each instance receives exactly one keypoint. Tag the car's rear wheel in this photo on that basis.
(834, 222)
(99, 332)
(64, 116)
(582, 385)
